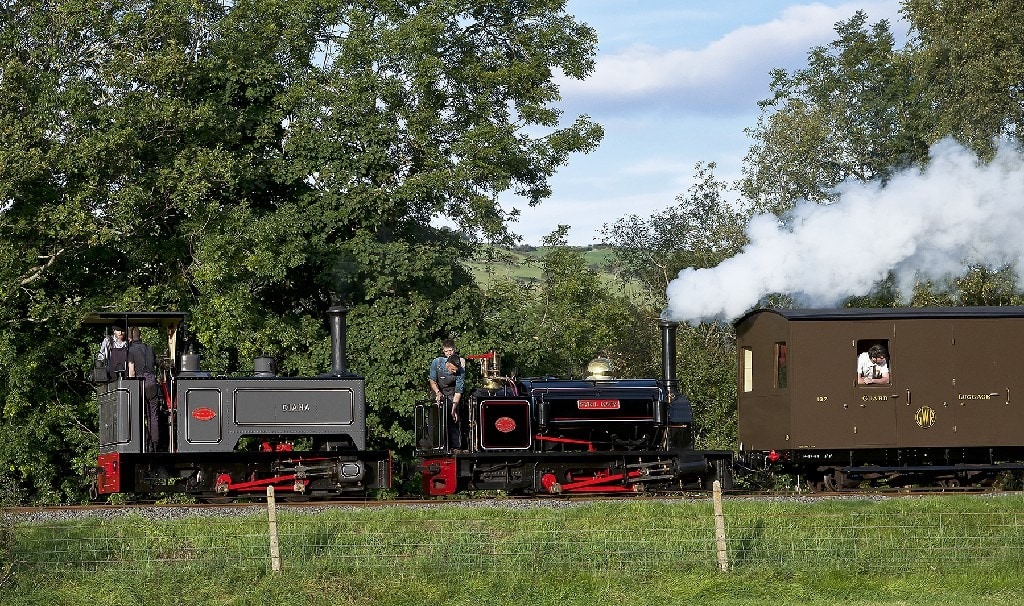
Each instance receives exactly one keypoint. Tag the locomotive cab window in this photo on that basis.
(873, 363)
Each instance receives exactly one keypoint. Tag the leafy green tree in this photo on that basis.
(855, 112)
(864, 109)
(970, 56)
(701, 230)
(558, 325)
(252, 163)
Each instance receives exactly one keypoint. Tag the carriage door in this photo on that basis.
(986, 366)
(872, 406)
(921, 368)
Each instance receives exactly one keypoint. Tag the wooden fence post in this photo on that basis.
(723, 555)
(275, 546)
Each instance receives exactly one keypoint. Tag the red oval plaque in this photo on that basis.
(203, 414)
(505, 424)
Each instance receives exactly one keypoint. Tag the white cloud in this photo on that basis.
(727, 75)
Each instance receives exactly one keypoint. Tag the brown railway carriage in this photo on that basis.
(952, 408)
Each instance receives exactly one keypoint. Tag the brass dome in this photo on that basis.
(600, 368)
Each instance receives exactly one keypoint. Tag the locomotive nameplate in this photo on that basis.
(300, 406)
(597, 404)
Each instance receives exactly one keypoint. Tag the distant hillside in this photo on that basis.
(524, 264)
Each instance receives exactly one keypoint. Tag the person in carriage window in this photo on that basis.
(873, 366)
(447, 380)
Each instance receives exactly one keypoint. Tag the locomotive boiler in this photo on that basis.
(944, 404)
(597, 434)
(231, 436)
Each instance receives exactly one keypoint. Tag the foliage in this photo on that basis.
(701, 230)
(707, 371)
(970, 56)
(556, 326)
(252, 163)
(854, 112)
(863, 109)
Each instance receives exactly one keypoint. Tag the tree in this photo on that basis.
(252, 163)
(570, 316)
(855, 112)
(970, 56)
(862, 110)
(701, 230)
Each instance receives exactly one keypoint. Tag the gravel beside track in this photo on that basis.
(170, 512)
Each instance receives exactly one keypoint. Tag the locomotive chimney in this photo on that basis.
(668, 358)
(337, 317)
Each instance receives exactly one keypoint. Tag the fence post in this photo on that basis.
(275, 546)
(723, 556)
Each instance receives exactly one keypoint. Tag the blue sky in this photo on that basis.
(676, 83)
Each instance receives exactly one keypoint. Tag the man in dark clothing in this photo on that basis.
(142, 363)
(447, 378)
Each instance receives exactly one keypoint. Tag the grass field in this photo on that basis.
(924, 550)
(525, 265)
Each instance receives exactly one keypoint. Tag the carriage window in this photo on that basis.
(873, 363)
(748, 369)
(781, 378)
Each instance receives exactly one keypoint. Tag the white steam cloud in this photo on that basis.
(922, 224)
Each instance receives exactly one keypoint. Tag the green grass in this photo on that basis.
(525, 265)
(930, 550)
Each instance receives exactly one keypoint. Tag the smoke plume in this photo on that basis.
(924, 224)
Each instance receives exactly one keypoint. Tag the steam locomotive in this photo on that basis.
(234, 436)
(548, 435)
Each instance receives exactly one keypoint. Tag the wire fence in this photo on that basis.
(628, 538)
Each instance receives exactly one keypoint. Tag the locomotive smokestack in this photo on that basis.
(337, 317)
(668, 358)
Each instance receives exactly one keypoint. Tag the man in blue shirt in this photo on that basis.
(447, 381)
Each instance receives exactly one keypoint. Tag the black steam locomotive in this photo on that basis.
(563, 436)
(233, 436)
